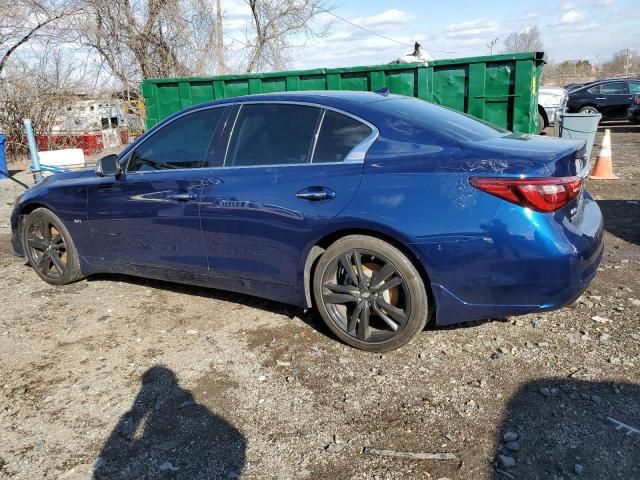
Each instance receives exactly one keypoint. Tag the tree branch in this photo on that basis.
(29, 34)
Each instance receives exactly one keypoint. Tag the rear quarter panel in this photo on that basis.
(408, 192)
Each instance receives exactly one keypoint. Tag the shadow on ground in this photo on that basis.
(309, 317)
(565, 431)
(621, 218)
(167, 434)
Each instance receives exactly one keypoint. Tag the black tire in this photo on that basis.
(588, 109)
(349, 290)
(49, 248)
(541, 123)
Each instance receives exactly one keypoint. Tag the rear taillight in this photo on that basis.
(539, 194)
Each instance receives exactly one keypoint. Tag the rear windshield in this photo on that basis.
(441, 120)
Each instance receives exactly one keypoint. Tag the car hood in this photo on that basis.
(83, 172)
(551, 96)
(78, 176)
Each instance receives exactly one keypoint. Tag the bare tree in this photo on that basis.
(529, 40)
(567, 72)
(142, 38)
(40, 91)
(275, 24)
(22, 21)
(622, 63)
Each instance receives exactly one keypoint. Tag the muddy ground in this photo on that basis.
(118, 377)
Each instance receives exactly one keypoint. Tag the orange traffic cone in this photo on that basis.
(603, 169)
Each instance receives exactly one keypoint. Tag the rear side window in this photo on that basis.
(634, 87)
(614, 88)
(272, 134)
(339, 135)
(413, 116)
(183, 143)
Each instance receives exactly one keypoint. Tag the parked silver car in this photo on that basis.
(554, 101)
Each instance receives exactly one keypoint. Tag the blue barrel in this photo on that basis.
(4, 173)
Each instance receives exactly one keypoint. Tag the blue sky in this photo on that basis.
(571, 29)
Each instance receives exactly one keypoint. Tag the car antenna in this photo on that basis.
(384, 91)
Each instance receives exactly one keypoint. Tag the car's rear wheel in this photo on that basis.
(589, 109)
(49, 248)
(370, 294)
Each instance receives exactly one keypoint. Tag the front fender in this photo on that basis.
(68, 201)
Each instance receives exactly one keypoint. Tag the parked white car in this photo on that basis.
(552, 100)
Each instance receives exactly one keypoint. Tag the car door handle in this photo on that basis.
(182, 197)
(601, 98)
(315, 194)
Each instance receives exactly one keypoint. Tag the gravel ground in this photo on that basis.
(118, 377)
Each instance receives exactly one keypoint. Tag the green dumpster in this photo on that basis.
(501, 89)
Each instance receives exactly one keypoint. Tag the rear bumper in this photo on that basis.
(526, 262)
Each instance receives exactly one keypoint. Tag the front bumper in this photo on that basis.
(551, 114)
(16, 241)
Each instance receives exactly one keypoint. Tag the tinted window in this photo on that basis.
(339, 134)
(614, 88)
(272, 134)
(634, 87)
(595, 89)
(413, 116)
(183, 143)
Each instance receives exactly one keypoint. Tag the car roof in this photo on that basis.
(324, 97)
(600, 82)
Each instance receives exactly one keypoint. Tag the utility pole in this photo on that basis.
(492, 44)
(222, 67)
(627, 63)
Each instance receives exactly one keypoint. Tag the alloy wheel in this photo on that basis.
(47, 248)
(366, 296)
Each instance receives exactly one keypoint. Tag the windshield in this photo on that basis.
(441, 120)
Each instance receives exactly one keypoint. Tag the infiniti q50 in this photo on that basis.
(380, 211)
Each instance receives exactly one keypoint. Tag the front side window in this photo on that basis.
(614, 88)
(594, 90)
(338, 135)
(272, 134)
(183, 143)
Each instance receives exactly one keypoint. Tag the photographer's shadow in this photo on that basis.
(167, 434)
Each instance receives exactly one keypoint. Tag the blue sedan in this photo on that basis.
(380, 211)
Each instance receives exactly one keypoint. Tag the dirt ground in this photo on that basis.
(118, 377)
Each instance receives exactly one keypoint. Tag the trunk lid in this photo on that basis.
(529, 156)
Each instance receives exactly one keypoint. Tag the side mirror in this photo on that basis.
(108, 165)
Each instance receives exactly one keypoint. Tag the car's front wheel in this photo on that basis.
(370, 294)
(49, 248)
(541, 124)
